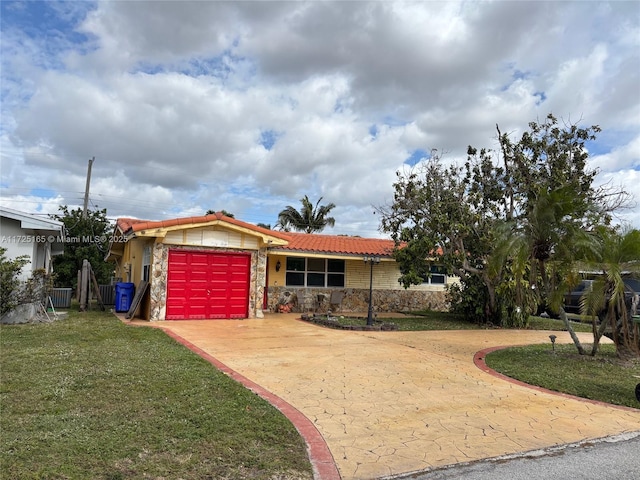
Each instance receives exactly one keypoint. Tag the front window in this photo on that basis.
(314, 272)
(146, 263)
(438, 275)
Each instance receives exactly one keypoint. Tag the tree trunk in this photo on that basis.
(597, 335)
(493, 309)
(624, 332)
(563, 315)
(574, 337)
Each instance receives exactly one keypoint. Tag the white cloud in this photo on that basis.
(175, 99)
(629, 181)
(628, 155)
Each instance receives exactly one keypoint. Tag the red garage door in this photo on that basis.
(207, 285)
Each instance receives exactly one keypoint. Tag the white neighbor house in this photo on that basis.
(32, 235)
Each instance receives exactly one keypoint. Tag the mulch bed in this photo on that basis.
(333, 322)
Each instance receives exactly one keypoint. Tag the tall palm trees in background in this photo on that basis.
(308, 219)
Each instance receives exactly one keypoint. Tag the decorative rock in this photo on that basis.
(357, 300)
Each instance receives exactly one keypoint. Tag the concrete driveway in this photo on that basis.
(388, 403)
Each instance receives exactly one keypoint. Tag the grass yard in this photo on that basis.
(88, 397)
(603, 377)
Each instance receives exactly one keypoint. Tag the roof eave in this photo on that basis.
(161, 232)
(341, 255)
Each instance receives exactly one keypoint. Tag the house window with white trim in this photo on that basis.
(314, 272)
(438, 275)
(146, 263)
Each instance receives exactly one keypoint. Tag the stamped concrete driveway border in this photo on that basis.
(324, 467)
(390, 403)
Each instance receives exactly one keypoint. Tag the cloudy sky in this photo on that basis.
(247, 106)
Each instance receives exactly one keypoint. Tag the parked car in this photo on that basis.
(572, 299)
(633, 284)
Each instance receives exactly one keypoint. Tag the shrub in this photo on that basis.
(10, 284)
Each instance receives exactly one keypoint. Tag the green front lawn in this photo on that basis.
(88, 397)
(604, 377)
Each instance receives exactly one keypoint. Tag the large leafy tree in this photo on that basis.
(447, 214)
(556, 208)
(87, 238)
(309, 219)
(505, 217)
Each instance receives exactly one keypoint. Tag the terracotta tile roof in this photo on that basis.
(131, 225)
(125, 224)
(337, 244)
(298, 242)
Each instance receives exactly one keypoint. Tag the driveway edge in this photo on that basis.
(479, 361)
(322, 462)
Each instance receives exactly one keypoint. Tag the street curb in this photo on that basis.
(322, 462)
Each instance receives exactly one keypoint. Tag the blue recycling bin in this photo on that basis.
(124, 296)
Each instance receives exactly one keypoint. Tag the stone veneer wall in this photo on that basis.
(257, 283)
(158, 283)
(357, 300)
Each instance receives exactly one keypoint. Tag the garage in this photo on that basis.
(207, 285)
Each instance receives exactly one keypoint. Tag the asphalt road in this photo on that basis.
(614, 458)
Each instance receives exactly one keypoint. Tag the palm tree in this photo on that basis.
(309, 219)
(545, 246)
(609, 300)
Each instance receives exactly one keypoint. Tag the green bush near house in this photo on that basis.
(88, 397)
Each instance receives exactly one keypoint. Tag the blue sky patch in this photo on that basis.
(515, 76)
(53, 25)
(373, 130)
(416, 157)
(392, 121)
(268, 138)
(607, 140)
(42, 192)
(218, 66)
(540, 97)
(520, 75)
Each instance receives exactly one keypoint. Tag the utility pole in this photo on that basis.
(86, 189)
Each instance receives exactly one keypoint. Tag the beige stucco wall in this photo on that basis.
(212, 236)
(276, 278)
(129, 267)
(357, 275)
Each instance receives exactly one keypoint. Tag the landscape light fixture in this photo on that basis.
(278, 265)
(553, 342)
(371, 260)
